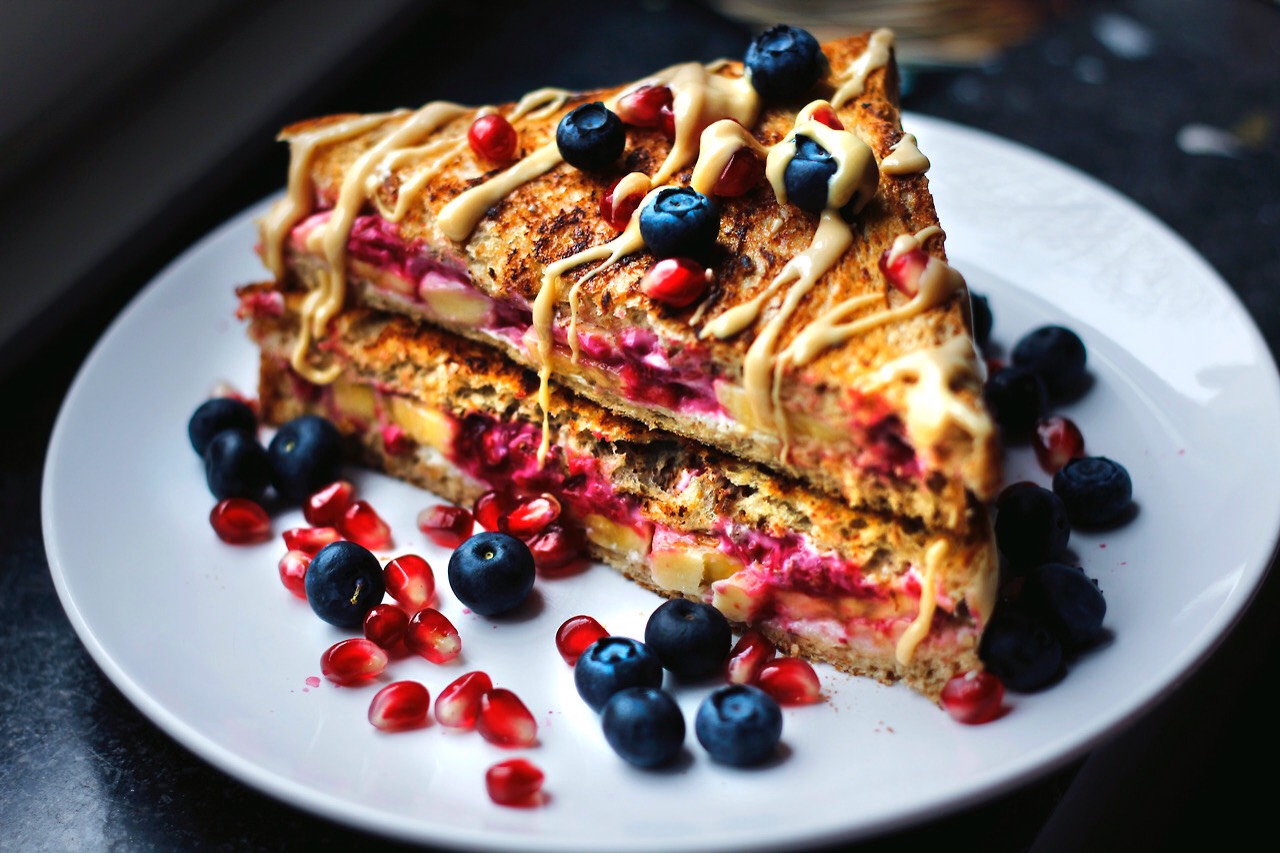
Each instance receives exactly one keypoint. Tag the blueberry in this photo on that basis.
(491, 573)
(591, 137)
(1057, 354)
(739, 724)
(690, 638)
(235, 466)
(1067, 601)
(808, 175)
(1017, 399)
(306, 454)
(680, 222)
(1031, 525)
(982, 318)
(344, 582)
(611, 664)
(1021, 651)
(644, 726)
(213, 416)
(784, 63)
(1094, 489)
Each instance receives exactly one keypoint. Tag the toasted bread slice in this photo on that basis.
(839, 354)
(872, 595)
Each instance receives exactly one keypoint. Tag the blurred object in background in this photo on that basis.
(929, 33)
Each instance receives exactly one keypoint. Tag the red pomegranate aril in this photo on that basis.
(678, 282)
(400, 706)
(362, 525)
(618, 212)
(353, 661)
(293, 572)
(643, 107)
(531, 516)
(458, 705)
(973, 697)
(489, 509)
(667, 121)
(385, 625)
(493, 138)
(447, 526)
(743, 171)
(575, 634)
(514, 783)
(827, 116)
(396, 441)
(903, 271)
(505, 720)
(240, 521)
(1056, 442)
(747, 657)
(555, 548)
(432, 635)
(790, 681)
(309, 540)
(325, 507)
(410, 581)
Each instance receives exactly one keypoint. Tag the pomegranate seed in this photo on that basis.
(827, 116)
(362, 525)
(903, 272)
(386, 624)
(489, 509)
(531, 516)
(293, 572)
(667, 121)
(353, 661)
(618, 212)
(791, 681)
(447, 526)
(325, 507)
(505, 720)
(433, 636)
(514, 783)
(747, 657)
(494, 449)
(643, 107)
(240, 521)
(678, 282)
(1057, 441)
(493, 138)
(743, 171)
(458, 705)
(575, 634)
(309, 540)
(396, 441)
(399, 706)
(410, 581)
(973, 697)
(555, 548)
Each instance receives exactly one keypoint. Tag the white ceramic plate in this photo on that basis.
(205, 641)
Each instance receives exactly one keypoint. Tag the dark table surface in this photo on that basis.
(80, 767)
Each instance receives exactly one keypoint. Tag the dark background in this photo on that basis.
(128, 130)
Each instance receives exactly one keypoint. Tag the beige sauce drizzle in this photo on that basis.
(934, 556)
(931, 404)
(905, 158)
(853, 81)
(699, 98)
(460, 216)
(540, 103)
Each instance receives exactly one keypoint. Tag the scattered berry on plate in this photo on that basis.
(353, 661)
(739, 725)
(432, 635)
(677, 282)
(983, 319)
(240, 521)
(326, 506)
(611, 664)
(305, 454)
(530, 516)
(557, 549)
(747, 657)
(644, 726)
(235, 466)
(410, 582)
(1066, 600)
(591, 137)
(1021, 651)
(293, 572)
(575, 634)
(446, 525)
(309, 539)
(1017, 398)
(1057, 441)
(1094, 489)
(808, 175)
(218, 415)
(1057, 354)
(690, 638)
(343, 583)
(505, 720)
(400, 706)
(790, 681)
(492, 138)
(458, 704)
(386, 625)
(680, 222)
(491, 573)
(515, 782)
(1031, 525)
(784, 62)
(973, 697)
(361, 523)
